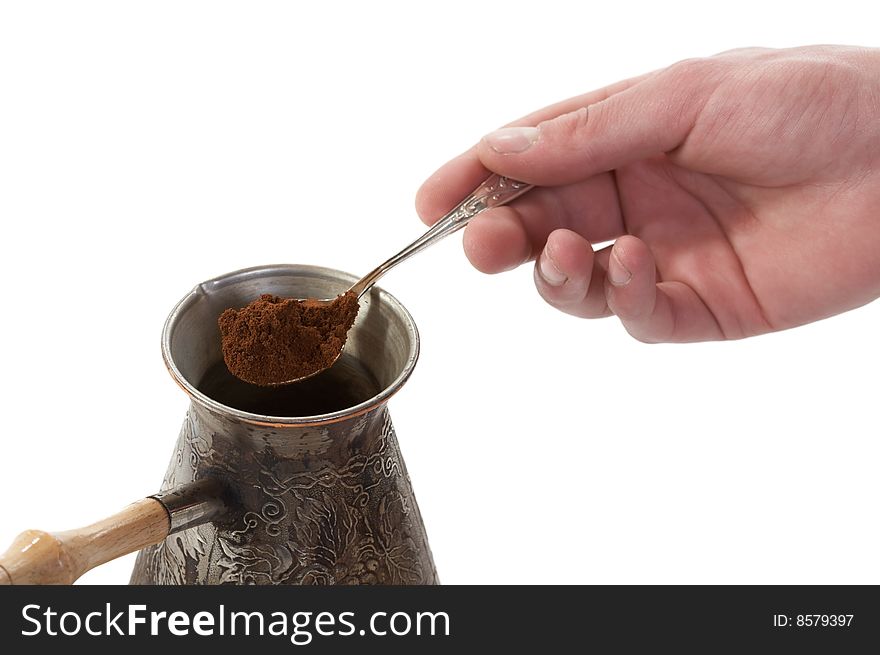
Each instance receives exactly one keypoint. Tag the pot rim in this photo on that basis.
(204, 289)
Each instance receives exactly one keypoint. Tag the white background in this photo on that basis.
(145, 147)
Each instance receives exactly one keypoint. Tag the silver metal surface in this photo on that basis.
(194, 503)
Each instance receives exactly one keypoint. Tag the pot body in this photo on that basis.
(316, 505)
(321, 499)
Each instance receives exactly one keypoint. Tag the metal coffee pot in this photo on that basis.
(266, 498)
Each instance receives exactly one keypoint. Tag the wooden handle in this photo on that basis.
(37, 557)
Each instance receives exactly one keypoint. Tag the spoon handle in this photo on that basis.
(496, 190)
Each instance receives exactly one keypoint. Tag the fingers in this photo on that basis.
(651, 312)
(570, 276)
(458, 177)
(497, 241)
(622, 280)
(568, 151)
(503, 238)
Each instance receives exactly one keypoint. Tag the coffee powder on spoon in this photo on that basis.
(274, 340)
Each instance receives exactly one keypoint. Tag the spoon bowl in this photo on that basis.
(313, 303)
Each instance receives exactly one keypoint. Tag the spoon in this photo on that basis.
(496, 190)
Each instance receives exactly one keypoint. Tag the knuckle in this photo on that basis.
(567, 126)
(694, 71)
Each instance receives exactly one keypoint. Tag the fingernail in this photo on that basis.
(549, 272)
(511, 140)
(618, 274)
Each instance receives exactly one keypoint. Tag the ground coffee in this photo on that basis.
(274, 340)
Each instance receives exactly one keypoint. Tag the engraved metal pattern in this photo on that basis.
(495, 191)
(341, 513)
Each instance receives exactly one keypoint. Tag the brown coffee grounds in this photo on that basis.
(274, 340)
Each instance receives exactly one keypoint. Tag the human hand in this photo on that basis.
(743, 192)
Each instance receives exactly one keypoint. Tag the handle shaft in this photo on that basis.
(496, 190)
(37, 557)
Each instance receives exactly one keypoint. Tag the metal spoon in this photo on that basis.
(495, 191)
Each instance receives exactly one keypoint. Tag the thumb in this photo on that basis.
(648, 119)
